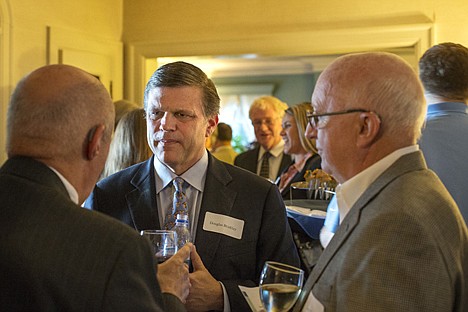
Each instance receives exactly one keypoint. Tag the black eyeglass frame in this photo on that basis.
(315, 117)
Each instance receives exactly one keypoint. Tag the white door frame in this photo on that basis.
(325, 40)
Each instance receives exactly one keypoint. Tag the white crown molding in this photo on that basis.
(322, 45)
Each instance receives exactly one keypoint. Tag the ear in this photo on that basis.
(94, 141)
(212, 123)
(370, 129)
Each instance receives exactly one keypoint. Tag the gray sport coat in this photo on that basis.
(402, 247)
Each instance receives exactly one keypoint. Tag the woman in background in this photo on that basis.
(301, 149)
(129, 145)
(122, 107)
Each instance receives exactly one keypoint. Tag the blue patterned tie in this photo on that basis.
(332, 219)
(179, 204)
(331, 224)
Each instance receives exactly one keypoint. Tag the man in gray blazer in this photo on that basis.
(402, 244)
(238, 219)
(55, 255)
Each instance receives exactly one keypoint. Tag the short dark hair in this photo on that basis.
(181, 74)
(224, 132)
(443, 70)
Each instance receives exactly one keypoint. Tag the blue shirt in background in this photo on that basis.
(444, 143)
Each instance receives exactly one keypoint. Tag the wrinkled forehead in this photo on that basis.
(183, 97)
(335, 90)
(267, 113)
(325, 96)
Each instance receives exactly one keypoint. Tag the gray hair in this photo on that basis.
(58, 121)
(383, 83)
(267, 102)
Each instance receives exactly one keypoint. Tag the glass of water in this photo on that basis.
(280, 286)
(164, 243)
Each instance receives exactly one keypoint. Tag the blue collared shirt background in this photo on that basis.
(444, 143)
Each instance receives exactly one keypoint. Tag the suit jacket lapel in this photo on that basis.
(141, 201)
(252, 161)
(217, 198)
(405, 164)
(285, 162)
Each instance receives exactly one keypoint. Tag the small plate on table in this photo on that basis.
(307, 215)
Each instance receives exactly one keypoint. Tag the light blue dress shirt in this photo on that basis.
(444, 143)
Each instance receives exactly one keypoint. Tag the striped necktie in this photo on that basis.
(265, 168)
(179, 204)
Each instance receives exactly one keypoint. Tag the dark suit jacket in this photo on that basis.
(57, 256)
(312, 163)
(130, 196)
(249, 160)
(402, 247)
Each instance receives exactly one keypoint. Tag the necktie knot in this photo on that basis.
(179, 184)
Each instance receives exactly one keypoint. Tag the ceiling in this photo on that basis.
(258, 65)
(253, 65)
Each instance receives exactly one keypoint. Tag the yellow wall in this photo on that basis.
(147, 20)
(28, 19)
(179, 21)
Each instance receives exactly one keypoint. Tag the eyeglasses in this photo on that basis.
(267, 121)
(315, 120)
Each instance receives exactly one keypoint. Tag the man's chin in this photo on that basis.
(266, 144)
(167, 156)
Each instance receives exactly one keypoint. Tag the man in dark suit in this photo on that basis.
(266, 114)
(401, 244)
(238, 220)
(55, 255)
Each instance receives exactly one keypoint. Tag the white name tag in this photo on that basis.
(222, 224)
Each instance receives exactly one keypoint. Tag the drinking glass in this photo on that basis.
(280, 286)
(164, 243)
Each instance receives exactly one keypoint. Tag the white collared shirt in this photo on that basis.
(349, 192)
(70, 189)
(274, 161)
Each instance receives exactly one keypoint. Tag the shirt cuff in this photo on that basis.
(227, 306)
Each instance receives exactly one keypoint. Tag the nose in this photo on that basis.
(167, 122)
(264, 125)
(310, 132)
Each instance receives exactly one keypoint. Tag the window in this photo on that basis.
(235, 105)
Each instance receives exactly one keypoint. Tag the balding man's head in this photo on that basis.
(53, 110)
(380, 82)
(371, 104)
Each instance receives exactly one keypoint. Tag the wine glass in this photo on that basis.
(164, 243)
(280, 286)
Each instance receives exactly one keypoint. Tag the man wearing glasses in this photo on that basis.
(267, 159)
(401, 244)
